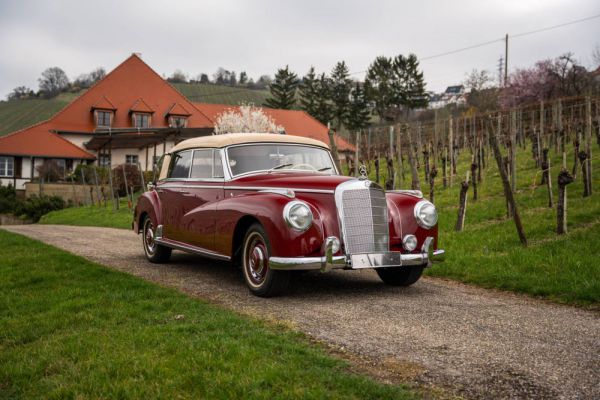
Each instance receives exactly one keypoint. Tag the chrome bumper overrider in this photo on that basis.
(359, 261)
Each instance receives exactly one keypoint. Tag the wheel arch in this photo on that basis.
(239, 232)
(141, 219)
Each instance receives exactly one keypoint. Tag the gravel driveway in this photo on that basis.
(475, 342)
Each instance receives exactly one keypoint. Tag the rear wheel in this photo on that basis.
(260, 279)
(155, 252)
(400, 276)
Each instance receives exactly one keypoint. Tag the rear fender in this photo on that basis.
(147, 204)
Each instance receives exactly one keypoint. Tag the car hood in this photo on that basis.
(290, 180)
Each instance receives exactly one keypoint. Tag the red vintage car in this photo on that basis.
(275, 204)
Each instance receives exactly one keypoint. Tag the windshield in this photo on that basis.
(261, 157)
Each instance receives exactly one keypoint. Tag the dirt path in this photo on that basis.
(482, 344)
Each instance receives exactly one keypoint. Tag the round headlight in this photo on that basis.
(297, 215)
(409, 242)
(426, 214)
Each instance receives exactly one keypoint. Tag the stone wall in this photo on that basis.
(79, 194)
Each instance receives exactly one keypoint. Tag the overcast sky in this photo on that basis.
(260, 36)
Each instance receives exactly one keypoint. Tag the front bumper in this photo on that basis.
(359, 261)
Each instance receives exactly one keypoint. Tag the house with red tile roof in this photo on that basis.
(131, 116)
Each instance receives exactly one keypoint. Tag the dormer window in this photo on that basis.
(141, 120)
(104, 112)
(177, 121)
(177, 116)
(103, 118)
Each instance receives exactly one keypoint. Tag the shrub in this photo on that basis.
(8, 199)
(88, 173)
(132, 174)
(36, 206)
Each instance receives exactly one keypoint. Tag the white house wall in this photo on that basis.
(118, 156)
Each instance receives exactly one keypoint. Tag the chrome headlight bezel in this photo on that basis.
(291, 217)
(426, 222)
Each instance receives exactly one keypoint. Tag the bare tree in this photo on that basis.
(596, 56)
(482, 94)
(478, 80)
(53, 81)
(20, 92)
(178, 77)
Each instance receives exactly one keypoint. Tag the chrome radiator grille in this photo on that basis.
(362, 210)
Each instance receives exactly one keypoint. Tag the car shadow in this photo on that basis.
(303, 284)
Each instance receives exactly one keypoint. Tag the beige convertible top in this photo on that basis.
(216, 141)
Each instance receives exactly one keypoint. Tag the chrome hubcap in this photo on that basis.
(256, 260)
(149, 238)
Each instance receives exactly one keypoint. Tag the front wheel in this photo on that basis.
(260, 279)
(155, 252)
(400, 276)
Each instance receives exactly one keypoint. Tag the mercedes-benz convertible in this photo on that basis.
(275, 204)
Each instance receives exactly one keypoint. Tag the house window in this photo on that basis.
(104, 160)
(141, 120)
(131, 159)
(103, 119)
(62, 166)
(177, 121)
(7, 166)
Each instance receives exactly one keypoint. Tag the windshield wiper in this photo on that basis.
(280, 166)
(323, 169)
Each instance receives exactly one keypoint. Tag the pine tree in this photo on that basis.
(409, 83)
(379, 84)
(341, 86)
(243, 78)
(283, 90)
(309, 93)
(359, 113)
(324, 110)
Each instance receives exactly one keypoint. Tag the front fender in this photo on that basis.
(267, 208)
(402, 221)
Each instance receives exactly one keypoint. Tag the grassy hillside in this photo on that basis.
(208, 93)
(15, 115)
(488, 252)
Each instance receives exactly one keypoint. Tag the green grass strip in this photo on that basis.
(70, 328)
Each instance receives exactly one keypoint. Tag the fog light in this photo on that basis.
(409, 242)
(335, 244)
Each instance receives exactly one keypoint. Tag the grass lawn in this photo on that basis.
(70, 328)
(91, 216)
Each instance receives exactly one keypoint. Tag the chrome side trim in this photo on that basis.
(192, 249)
(284, 192)
(415, 193)
(184, 186)
(267, 188)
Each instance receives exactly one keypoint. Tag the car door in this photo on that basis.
(200, 196)
(170, 192)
